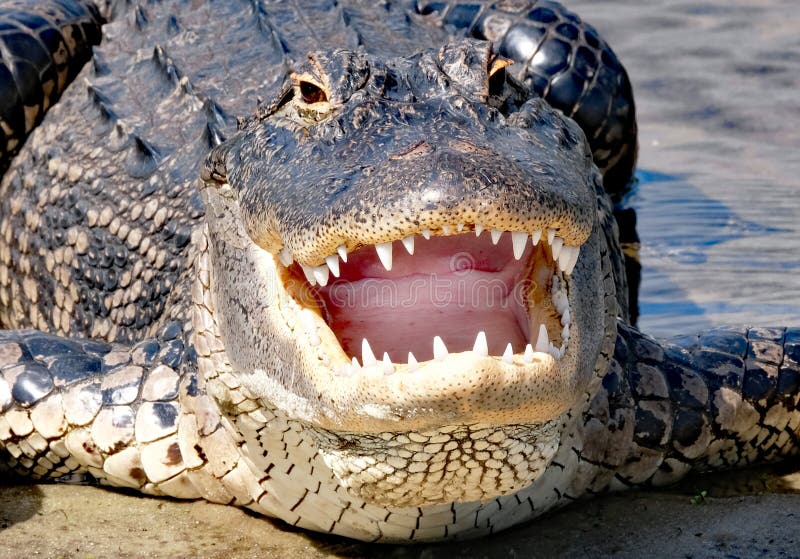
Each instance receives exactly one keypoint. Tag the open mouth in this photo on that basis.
(396, 305)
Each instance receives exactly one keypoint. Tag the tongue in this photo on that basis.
(453, 287)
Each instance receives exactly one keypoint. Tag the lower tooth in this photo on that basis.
(366, 354)
(508, 355)
(388, 367)
(543, 341)
(412, 363)
(439, 349)
(527, 357)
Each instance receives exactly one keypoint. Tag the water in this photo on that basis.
(717, 86)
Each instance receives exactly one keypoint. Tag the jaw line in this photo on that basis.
(462, 387)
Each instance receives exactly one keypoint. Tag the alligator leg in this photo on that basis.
(43, 46)
(75, 410)
(723, 398)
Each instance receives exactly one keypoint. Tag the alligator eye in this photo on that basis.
(312, 93)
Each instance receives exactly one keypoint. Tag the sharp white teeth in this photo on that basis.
(446, 229)
(355, 364)
(478, 229)
(496, 234)
(408, 242)
(385, 254)
(508, 355)
(342, 250)
(519, 239)
(543, 341)
(565, 257)
(412, 363)
(565, 333)
(555, 247)
(481, 347)
(386, 364)
(309, 272)
(527, 357)
(366, 354)
(551, 234)
(321, 274)
(439, 349)
(333, 263)
(427, 234)
(285, 257)
(536, 236)
(460, 227)
(565, 317)
(573, 259)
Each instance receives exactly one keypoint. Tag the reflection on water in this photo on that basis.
(716, 84)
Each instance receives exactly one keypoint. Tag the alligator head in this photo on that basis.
(406, 251)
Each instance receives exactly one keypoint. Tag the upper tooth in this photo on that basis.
(342, 250)
(543, 341)
(555, 247)
(575, 252)
(536, 237)
(460, 227)
(527, 357)
(478, 229)
(565, 317)
(566, 257)
(321, 274)
(385, 254)
(439, 349)
(333, 263)
(508, 355)
(551, 234)
(412, 363)
(446, 229)
(408, 242)
(366, 354)
(519, 239)
(309, 272)
(496, 233)
(481, 347)
(285, 257)
(427, 234)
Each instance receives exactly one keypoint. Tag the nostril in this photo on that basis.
(413, 151)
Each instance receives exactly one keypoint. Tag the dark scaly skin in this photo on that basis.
(43, 46)
(567, 63)
(101, 211)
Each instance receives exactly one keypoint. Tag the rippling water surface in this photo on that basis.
(717, 85)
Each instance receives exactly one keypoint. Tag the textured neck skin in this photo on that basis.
(716, 400)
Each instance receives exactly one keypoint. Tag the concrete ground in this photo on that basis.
(63, 521)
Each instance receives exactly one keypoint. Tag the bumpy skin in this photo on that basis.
(43, 46)
(133, 271)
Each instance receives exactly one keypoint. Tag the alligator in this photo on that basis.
(350, 265)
